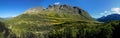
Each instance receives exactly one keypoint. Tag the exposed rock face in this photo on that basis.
(35, 10)
(63, 9)
(41, 21)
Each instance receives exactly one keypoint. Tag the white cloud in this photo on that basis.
(112, 11)
(116, 10)
(57, 3)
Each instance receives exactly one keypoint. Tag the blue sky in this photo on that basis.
(96, 8)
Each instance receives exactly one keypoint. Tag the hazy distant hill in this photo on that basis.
(108, 18)
(1, 18)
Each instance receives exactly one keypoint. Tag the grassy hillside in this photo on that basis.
(40, 23)
(57, 21)
(86, 30)
(68, 29)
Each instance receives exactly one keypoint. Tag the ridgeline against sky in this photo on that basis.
(96, 8)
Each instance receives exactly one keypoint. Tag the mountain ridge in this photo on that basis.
(43, 21)
(60, 9)
(112, 17)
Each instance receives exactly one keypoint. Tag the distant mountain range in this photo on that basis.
(1, 19)
(108, 18)
(4, 19)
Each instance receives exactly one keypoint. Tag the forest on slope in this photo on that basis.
(57, 21)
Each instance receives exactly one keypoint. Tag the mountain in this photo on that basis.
(57, 21)
(39, 21)
(61, 11)
(1, 18)
(108, 18)
(5, 19)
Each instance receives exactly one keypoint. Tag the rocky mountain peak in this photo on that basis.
(61, 10)
(35, 10)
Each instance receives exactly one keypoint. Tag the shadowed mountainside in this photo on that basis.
(112, 17)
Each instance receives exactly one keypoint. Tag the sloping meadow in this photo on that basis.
(57, 21)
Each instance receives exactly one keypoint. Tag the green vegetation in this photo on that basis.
(80, 30)
(4, 31)
(69, 29)
(57, 22)
(115, 28)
